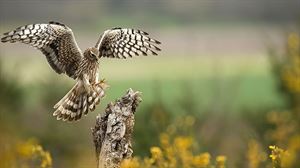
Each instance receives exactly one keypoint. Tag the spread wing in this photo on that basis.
(55, 40)
(124, 43)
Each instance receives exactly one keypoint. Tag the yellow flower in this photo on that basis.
(156, 152)
(183, 143)
(280, 157)
(202, 160)
(30, 152)
(293, 40)
(164, 140)
(130, 163)
(272, 147)
(221, 160)
(46, 159)
(255, 155)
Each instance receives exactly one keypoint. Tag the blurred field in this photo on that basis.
(222, 92)
(224, 82)
(210, 79)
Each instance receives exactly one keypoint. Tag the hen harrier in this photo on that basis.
(58, 44)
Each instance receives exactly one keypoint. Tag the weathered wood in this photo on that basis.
(113, 130)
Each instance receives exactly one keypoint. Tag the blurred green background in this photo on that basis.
(214, 65)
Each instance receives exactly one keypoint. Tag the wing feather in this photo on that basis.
(55, 40)
(124, 43)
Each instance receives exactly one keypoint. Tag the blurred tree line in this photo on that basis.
(165, 12)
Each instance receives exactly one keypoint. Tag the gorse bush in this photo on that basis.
(175, 152)
(27, 154)
(286, 125)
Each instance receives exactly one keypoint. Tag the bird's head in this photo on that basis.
(91, 53)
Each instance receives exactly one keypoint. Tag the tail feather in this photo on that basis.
(78, 102)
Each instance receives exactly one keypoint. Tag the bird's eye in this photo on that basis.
(92, 54)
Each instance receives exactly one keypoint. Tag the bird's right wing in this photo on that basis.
(55, 40)
(124, 43)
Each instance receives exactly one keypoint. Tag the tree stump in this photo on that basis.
(113, 130)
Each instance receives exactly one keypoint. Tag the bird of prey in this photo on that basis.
(57, 42)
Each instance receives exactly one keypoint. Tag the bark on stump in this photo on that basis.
(113, 130)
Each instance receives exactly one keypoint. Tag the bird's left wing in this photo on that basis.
(124, 43)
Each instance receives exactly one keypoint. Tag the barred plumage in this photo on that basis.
(78, 102)
(123, 43)
(57, 42)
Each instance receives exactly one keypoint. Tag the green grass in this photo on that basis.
(233, 83)
(232, 93)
